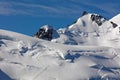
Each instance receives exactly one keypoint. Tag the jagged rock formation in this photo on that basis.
(98, 19)
(47, 32)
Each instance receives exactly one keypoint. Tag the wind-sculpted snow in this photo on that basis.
(27, 58)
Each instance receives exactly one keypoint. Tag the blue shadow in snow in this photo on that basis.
(24, 50)
(1, 42)
(99, 57)
(72, 57)
(103, 68)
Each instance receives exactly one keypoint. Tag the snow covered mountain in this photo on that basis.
(94, 55)
(90, 29)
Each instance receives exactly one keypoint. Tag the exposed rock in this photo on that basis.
(114, 24)
(45, 32)
(98, 19)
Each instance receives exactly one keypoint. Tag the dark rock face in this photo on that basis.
(44, 33)
(98, 19)
(114, 24)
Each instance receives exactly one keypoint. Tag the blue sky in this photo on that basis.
(27, 16)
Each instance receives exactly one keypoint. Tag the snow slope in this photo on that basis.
(27, 58)
(116, 19)
(87, 31)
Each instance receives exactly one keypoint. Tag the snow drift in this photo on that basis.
(26, 58)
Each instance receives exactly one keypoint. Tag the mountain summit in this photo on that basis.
(90, 29)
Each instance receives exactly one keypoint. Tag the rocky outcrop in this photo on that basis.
(98, 19)
(114, 24)
(45, 32)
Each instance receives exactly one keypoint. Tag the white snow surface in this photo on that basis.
(27, 58)
(95, 57)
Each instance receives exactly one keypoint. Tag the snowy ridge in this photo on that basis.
(27, 58)
(90, 29)
(116, 19)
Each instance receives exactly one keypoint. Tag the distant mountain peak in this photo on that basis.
(88, 20)
(88, 28)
